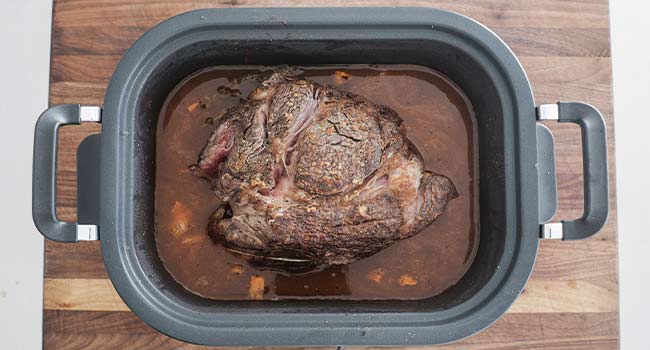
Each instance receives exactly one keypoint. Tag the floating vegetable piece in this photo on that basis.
(376, 275)
(256, 288)
(181, 216)
(193, 106)
(407, 280)
(341, 77)
(236, 269)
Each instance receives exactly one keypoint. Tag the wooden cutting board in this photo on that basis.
(571, 301)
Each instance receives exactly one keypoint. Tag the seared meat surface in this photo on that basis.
(314, 174)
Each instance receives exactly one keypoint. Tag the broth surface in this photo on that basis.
(439, 121)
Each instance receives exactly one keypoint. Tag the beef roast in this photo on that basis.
(310, 173)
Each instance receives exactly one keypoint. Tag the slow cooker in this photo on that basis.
(516, 170)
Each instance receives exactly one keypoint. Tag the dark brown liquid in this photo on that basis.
(439, 122)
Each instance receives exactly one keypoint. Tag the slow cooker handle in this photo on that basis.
(596, 179)
(46, 138)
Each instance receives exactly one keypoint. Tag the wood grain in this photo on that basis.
(540, 41)
(571, 300)
(515, 13)
(577, 296)
(123, 330)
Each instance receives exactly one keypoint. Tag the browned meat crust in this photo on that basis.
(310, 173)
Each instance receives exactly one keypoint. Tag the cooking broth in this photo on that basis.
(439, 121)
